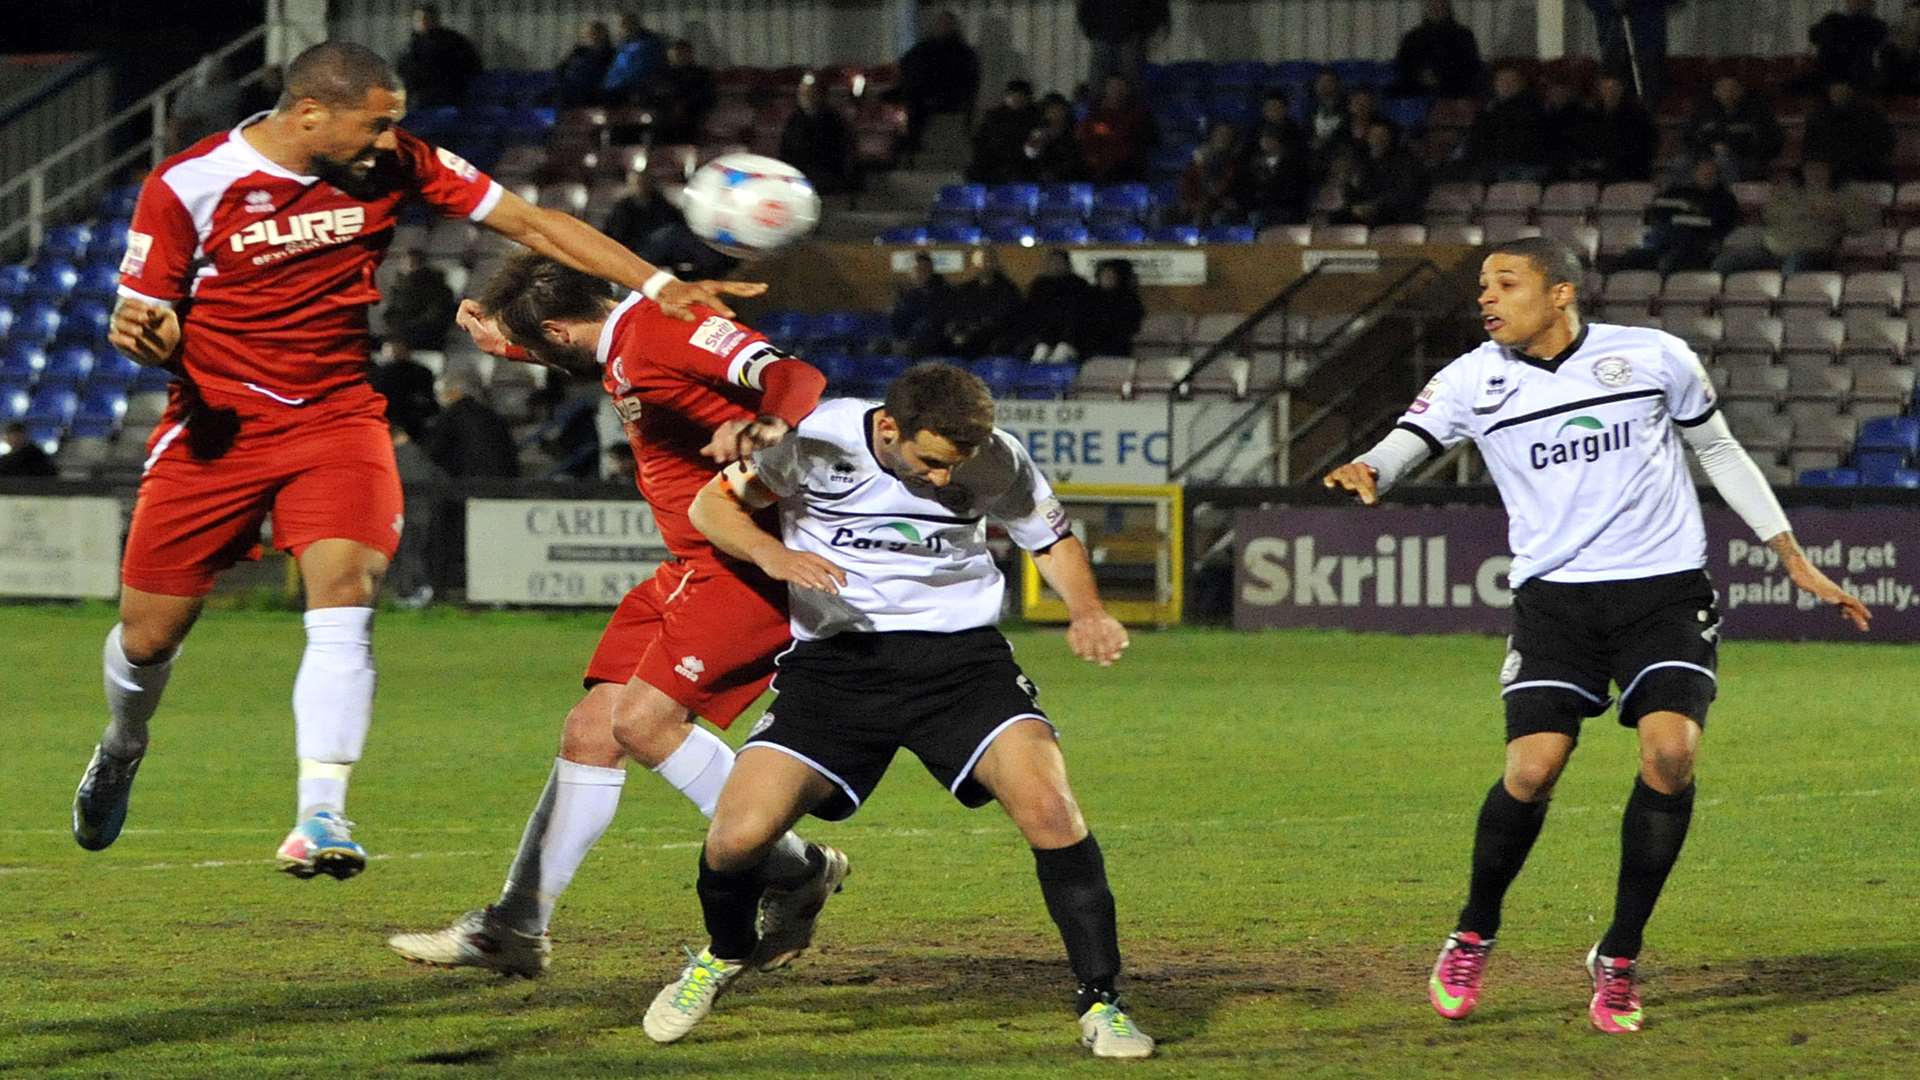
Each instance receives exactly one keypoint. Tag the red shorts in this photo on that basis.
(325, 472)
(702, 633)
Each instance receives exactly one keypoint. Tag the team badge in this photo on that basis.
(761, 725)
(1613, 371)
(1510, 667)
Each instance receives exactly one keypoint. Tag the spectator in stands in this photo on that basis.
(1279, 179)
(582, 74)
(1646, 22)
(1900, 57)
(1112, 313)
(1385, 185)
(211, 102)
(408, 386)
(1508, 139)
(1328, 116)
(1120, 32)
(438, 63)
(641, 211)
(1614, 137)
(469, 439)
(1363, 113)
(642, 53)
(1568, 121)
(1687, 222)
(1438, 58)
(1212, 185)
(1846, 44)
(940, 74)
(420, 306)
(1805, 219)
(1276, 114)
(818, 141)
(1117, 135)
(1851, 135)
(1051, 154)
(24, 456)
(999, 143)
(674, 247)
(681, 95)
(1052, 314)
(1737, 129)
(920, 309)
(981, 311)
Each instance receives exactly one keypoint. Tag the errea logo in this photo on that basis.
(690, 668)
(315, 229)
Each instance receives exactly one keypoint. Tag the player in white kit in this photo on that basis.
(1581, 426)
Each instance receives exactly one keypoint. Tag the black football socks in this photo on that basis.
(1652, 831)
(1501, 841)
(1073, 880)
(730, 903)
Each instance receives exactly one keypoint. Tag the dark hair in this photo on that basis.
(1277, 93)
(531, 288)
(431, 10)
(948, 401)
(1019, 86)
(1555, 259)
(337, 73)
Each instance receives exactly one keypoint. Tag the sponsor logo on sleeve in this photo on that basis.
(1055, 514)
(716, 335)
(1424, 400)
(455, 163)
(139, 246)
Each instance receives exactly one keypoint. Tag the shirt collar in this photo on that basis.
(1553, 364)
(262, 161)
(603, 351)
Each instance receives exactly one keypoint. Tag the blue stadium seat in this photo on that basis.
(99, 414)
(1901, 433)
(1249, 74)
(13, 401)
(902, 235)
(1829, 477)
(53, 407)
(22, 362)
(1010, 231)
(6, 319)
(1229, 234)
(119, 202)
(1118, 233)
(68, 367)
(67, 243)
(38, 323)
(494, 88)
(844, 326)
(1174, 234)
(109, 241)
(530, 123)
(1872, 462)
(14, 281)
(1064, 200)
(149, 379)
(970, 197)
(1045, 381)
(112, 371)
(953, 234)
(99, 281)
(85, 322)
(1013, 200)
(945, 217)
(52, 280)
(1371, 74)
(1133, 200)
(1002, 374)
(785, 327)
(1890, 476)
(885, 369)
(839, 368)
(1062, 233)
(1172, 159)
(432, 124)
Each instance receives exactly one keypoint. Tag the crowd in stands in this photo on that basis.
(1061, 318)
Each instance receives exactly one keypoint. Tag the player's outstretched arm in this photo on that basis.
(583, 247)
(1356, 477)
(723, 512)
(145, 333)
(1811, 578)
(1092, 633)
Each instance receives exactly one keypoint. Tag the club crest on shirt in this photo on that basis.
(1613, 371)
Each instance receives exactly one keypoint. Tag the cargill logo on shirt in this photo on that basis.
(897, 536)
(1582, 438)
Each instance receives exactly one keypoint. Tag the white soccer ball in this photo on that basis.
(748, 205)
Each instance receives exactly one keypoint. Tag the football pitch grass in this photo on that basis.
(1286, 819)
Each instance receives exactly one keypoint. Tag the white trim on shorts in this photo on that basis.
(1531, 684)
(1664, 663)
(809, 763)
(967, 770)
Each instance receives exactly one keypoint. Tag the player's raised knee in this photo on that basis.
(587, 738)
(1049, 819)
(1667, 768)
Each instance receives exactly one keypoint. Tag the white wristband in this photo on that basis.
(660, 280)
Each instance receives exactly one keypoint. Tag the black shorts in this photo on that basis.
(1657, 638)
(844, 704)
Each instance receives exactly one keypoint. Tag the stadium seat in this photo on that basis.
(99, 282)
(1503, 231)
(1065, 200)
(1458, 233)
(1157, 378)
(1892, 433)
(1123, 201)
(1877, 461)
(87, 321)
(1104, 378)
(1883, 384)
(67, 243)
(38, 323)
(1750, 292)
(1339, 235)
(1209, 330)
(1452, 202)
(1890, 477)
(1830, 478)
(112, 371)
(1224, 378)
(1174, 234)
(1228, 234)
(1884, 291)
(1757, 382)
(1805, 335)
(14, 281)
(1623, 201)
(971, 198)
(902, 235)
(954, 234)
(1689, 292)
(1002, 374)
(1062, 233)
(946, 216)
(150, 379)
(1022, 200)
(1874, 336)
(1763, 433)
(1515, 198)
(1702, 332)
(785, 326)
(1632, 289)
(1831, 433)
(1045, 381)
(1818, 381)
(52, 406)
(1294, 235)
(119, 202)
(1397, 234)
(68, 367)
(100, 413)
(1568, 200)
(840, 369)
(1118, 233)
(22, 362)
(1870, 250)
(1812, 289)
(52, 281)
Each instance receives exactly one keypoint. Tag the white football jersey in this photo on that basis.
(1583, 449)
(916, 556)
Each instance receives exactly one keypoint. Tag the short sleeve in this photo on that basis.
(781, 467)
(714, 350)
(447, 182)
(1688, 388)
(161, 241)
(1029, 510)
(1441, 412)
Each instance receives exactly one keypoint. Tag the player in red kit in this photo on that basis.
(249, 271)
(698, 639)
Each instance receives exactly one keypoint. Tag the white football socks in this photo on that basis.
(573, 813)
(133, 693)
(332, 704)
(699, 770)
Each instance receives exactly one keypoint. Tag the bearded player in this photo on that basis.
(697, 639)
(249, 271)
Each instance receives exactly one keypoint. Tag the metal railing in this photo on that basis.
(150, 143)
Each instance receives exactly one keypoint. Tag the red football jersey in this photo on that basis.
(673, 382)
(274, 271)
